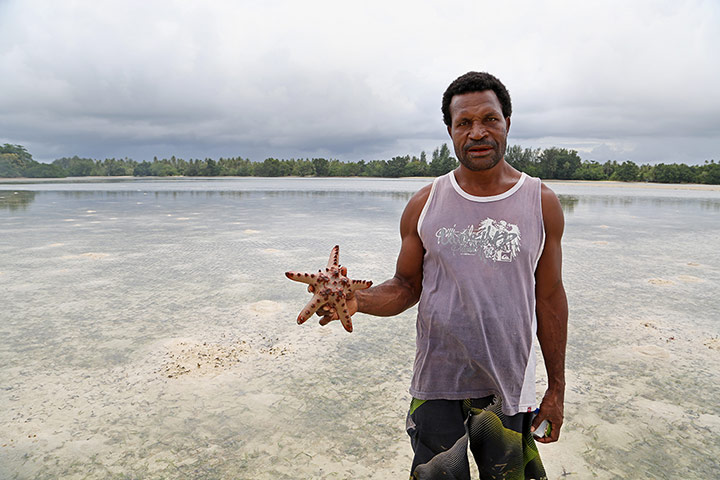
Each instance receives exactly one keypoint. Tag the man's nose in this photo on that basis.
(477, 131)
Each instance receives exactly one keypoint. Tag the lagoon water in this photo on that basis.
(147, 331)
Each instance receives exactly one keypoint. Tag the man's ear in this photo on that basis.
(507, 124)
(450, 132)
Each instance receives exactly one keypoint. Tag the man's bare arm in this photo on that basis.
(402, 291)
(552, 315)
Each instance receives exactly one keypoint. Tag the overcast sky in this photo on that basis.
(619, 80)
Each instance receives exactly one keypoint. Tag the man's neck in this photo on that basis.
(487, 183)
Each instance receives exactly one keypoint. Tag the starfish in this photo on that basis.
(330, 287)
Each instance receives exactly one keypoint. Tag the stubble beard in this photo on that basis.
(481, 164)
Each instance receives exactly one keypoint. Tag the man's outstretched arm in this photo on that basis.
(552, 315)
(402, 291)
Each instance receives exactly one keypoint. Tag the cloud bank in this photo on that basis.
(300, 79)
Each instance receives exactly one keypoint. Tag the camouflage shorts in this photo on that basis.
(503, 447)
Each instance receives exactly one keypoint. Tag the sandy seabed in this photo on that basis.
(135, 347)
(210, 404)
(302, 403)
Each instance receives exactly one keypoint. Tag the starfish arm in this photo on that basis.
(359, 285)
(341, 308)
(312, 306)
(309, 278)
(334, 257)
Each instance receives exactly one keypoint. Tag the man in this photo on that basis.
(481, 252)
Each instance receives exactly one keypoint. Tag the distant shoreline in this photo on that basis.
(651, 185)
(550, 182)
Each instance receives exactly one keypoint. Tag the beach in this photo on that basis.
(148, 331)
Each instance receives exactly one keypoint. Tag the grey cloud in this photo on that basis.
(291, 79)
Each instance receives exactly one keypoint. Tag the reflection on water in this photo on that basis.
(20, 199)
(568, 202)
(16, 200)
(148, 331)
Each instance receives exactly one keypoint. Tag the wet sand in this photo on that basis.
(139, 346)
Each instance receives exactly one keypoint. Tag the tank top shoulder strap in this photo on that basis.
(440, 183)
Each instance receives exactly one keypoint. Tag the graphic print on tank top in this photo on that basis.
(495, 240)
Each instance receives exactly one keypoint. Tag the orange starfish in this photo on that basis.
(331, 287)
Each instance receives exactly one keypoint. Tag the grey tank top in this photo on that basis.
(476, 318)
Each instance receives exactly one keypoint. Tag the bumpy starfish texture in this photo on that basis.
(330, 287)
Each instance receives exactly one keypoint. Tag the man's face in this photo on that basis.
(478, 129)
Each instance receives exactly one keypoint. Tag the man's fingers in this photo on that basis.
(539, 429)
(554, 436)
(327, 314)
(325, 310)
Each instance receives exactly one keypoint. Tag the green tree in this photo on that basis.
(14, 160)
(709, 173)
(645, 173)
(303, 168)
(590, 171)
(417, 167)
(609, 168)
(180, 165)
(192, 168)
(335, 168)
(321, 167)
(113, 167)
(287, 167)
(628, 171)
(9, 167)
(76, 166)
(44, 170)
(268, 168)
(568, 162)
(22, 157)
(163, 168)
(525, 160)
(375, 168)
(211, 168)
(395, 167)
(354, 169)
(558, 163)
(441, 162)
(673, 173)
(236, 166)
(143, 169)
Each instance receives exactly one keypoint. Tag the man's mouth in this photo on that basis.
(478, 149)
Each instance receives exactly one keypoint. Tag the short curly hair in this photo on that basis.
(476, 82)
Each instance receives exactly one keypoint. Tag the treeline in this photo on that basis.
(400, 166)
(17, 162)
(563, 164)
(550, 163)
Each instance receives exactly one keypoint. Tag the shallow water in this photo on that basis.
(147, 331)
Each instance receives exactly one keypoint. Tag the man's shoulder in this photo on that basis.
(552, 213)
(414, 207)
(417, 201)
(548, 196)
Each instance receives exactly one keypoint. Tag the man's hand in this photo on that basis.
(551, 409)
(327, 313)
